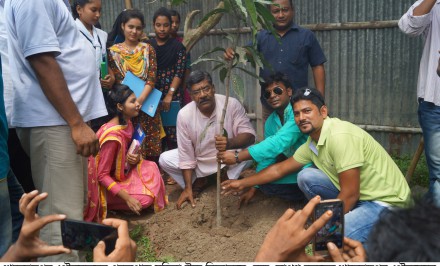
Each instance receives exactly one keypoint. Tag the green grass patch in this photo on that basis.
(145, 251)
(421, 174)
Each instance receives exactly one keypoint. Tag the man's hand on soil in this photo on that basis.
(187, 195)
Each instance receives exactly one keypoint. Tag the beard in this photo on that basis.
(308, 130)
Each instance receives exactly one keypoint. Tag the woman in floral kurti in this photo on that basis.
(140, 59)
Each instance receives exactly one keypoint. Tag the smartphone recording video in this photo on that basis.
(80, 235)
(333, 230)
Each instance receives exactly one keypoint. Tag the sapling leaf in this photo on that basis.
(222, 74)
(238, 86)
(241, 53)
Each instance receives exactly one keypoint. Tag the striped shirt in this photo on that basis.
(428, 26)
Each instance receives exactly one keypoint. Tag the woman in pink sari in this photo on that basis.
(114, 184)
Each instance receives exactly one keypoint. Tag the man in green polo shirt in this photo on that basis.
(352, 166)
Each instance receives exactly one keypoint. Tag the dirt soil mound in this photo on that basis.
(191, 234)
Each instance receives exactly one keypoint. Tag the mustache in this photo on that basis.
(204, 100)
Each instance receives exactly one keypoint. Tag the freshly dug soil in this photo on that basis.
(191, 234)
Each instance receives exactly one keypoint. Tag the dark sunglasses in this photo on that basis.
(276, 90)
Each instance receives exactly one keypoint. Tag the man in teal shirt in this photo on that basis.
(5, 209)
(281, 139)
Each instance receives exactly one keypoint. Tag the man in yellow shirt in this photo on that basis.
(352, 166)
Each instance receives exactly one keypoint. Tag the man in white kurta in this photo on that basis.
(198, 126)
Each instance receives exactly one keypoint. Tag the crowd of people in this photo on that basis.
(64, 98)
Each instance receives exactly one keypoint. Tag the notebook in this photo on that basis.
(169, 119)
(138, 133)
(137, 86)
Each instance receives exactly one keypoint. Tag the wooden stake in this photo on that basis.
(414, 161)
(128, 4)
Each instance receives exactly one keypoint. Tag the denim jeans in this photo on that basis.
(429, 119)
(5, 218)
(289, 192)
(359, 221)
(15, 193)
(10, 217)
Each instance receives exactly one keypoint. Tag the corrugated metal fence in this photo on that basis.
(371, 73)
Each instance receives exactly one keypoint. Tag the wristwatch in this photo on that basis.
(172, 89)
(236, 157)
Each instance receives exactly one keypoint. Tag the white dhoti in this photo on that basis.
(169, 162)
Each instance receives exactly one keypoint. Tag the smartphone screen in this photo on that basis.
(333, 230)
(80, 235)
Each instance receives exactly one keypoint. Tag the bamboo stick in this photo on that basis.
(128, 4)
(319, 27)
(414, 161)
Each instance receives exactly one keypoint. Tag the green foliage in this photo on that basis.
(250, 6)
(241, 54)
(223, 73)
(177, 2)
(238, 87)
(421, 174)
(145, 251)
(136, 232)
(239, 4)
(252, 13)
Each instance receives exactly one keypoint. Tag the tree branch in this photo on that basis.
(191, 35)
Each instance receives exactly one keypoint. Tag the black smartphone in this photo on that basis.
(80, 235)
(333, 230)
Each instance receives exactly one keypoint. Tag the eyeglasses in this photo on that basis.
(276, 90)
(307, 92)
(205, 90)
(311, 93)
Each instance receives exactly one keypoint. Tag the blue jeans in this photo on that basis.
(5, 218)
(289, 192)
(359, 221)
(429, 119)
(10, 217)
(15, 193)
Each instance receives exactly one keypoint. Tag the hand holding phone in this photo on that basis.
(125, 249)
(353, 251)
(28, 245)
(287, 239)
(80, 235)
(333, 230)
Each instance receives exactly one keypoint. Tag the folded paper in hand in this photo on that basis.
(169, 119)
(149, 106)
